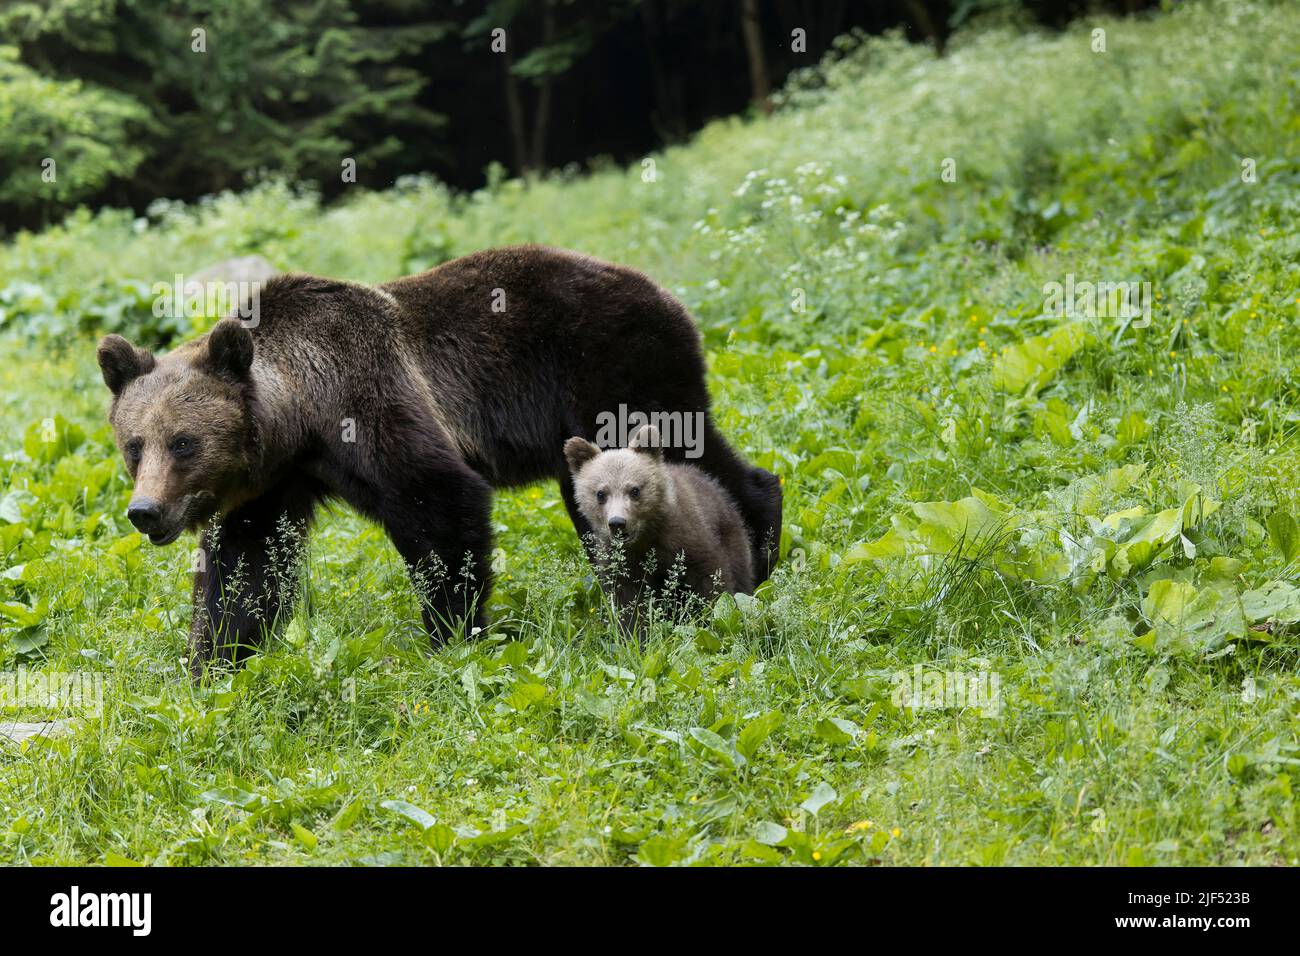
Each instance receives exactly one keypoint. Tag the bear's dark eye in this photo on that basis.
(600, 497)
(634, 493)
(182, 446)
(133, 449)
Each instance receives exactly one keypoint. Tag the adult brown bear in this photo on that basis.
(410, 401)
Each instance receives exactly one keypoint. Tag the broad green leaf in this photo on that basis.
(727, 616)
(344, 819)
(1189, 621)
(1132, 429)
(440, 838)
(1278, 600)
(1034, 362)
(620, 674)
(717, 747)
(469, 676)
(304, 836)
(126, 545)
(820, 797)
(757, 851)
(1149, 535)
(707, 641)
(30, 639)
(662, 851)
(421, 818)
(1285, 534)
(13, 503)
(768, 833)
(892, 545)
(24, 616)
(757, 731)
(866, 687)
(836, 731)
(526, 693)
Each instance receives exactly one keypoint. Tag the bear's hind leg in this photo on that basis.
(441, 525)
(246, 575)
(757, 493)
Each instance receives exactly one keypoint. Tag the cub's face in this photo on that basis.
(182, 425)
(622, 493)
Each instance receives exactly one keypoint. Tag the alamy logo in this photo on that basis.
(192, 299)
(134, 910)
(58, 691)
(676, 429)
(923, 689)
(1099, 300)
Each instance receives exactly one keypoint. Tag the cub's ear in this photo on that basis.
(230, 351)
(646, 441)
(121, 362)
(579, 451)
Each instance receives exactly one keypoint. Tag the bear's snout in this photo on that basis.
(144, 514)
(617, 524)
(161, 522)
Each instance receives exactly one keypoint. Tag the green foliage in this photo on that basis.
(180, 91)
(124, 306)
(1098, 513)
(88, 133)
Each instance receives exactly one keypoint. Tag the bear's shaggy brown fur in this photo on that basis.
(651, 518)
(410, 400)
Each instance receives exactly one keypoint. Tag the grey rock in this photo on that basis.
(18, 732)
(238, 269)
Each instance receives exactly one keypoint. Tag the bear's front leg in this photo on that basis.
(441, 525)
(246, 577)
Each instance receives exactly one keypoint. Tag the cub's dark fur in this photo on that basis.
(650, 517)
(410, 400)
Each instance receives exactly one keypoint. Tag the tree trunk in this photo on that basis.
(541, 122)
(754, 50)
(925, 23)
(665, 117)
(542, 116)
(515, 114)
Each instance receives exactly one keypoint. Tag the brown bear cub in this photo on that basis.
(410, 401)
(651, 519)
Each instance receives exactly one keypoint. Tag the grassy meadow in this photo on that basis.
(1091, 517)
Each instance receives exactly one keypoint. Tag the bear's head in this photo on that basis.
(183, 425)
(624, 493)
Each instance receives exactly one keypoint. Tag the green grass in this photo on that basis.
(1111, 514)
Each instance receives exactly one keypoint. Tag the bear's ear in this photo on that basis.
(579, 451)
(646, 442)
(230, 351)
(121, 362)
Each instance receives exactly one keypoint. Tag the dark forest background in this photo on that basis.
(120, 96)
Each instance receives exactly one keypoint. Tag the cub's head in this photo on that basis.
(622, 493)
(182, 424)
